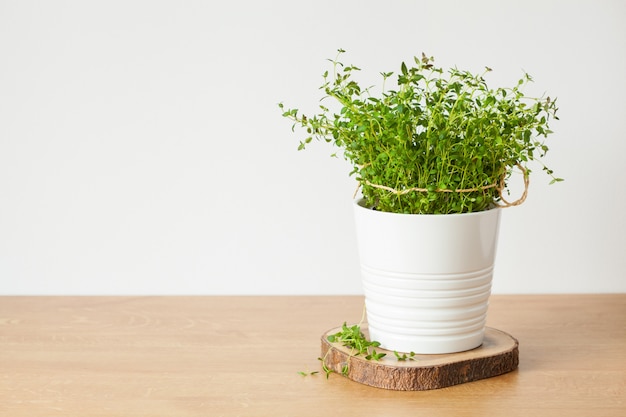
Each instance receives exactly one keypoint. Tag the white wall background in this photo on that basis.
(142, 151)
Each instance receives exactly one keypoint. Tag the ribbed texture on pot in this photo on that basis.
(425, 313)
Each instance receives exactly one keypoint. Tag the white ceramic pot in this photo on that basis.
(426, 278)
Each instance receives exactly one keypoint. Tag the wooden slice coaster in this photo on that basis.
(497, 355)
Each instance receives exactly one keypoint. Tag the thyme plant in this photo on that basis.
(440, 142)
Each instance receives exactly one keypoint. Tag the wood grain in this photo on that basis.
(240, 356)
(496, 356)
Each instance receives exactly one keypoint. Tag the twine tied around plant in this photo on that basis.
(524, 193)
(500, 185)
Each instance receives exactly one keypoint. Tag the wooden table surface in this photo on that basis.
(240, 356)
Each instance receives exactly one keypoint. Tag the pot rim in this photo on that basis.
(359, 200)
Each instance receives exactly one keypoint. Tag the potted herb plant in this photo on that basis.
(432, 157)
